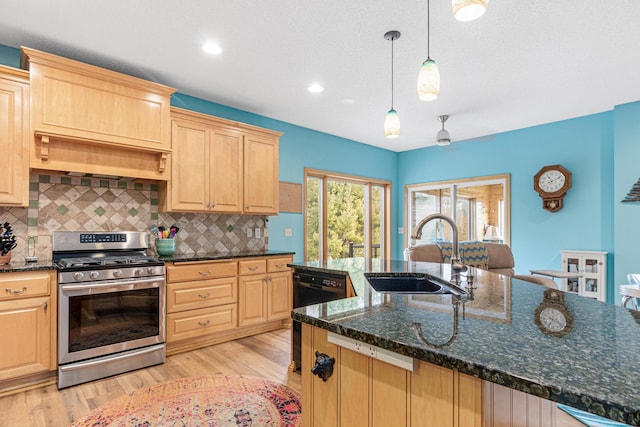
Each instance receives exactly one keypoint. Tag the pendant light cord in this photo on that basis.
(392, 72)
(428, 29)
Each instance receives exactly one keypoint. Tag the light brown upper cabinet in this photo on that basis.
(14, 133)
(221, 166)
(90, 120)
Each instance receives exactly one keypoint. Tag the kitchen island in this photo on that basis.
(591, 363)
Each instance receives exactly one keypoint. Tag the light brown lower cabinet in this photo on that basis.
(215, 301)
(28, 318)
(368, 392)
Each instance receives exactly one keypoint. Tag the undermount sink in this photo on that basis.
(408, 283)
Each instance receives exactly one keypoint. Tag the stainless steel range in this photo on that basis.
(111, 305)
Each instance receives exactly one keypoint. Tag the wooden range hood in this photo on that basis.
(86, 119)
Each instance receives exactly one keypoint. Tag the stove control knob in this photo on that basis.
(94, 275)
(117, 273)
(140, 272)
(78, 276)
(151, 271)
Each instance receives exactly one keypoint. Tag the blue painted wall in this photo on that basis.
(302, 148)
(583, 145)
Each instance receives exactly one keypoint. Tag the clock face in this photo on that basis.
(553, 319)
(551, 181)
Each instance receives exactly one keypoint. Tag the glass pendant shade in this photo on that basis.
(392, 124)
(443, 138)
(468, 10)
(428, 81)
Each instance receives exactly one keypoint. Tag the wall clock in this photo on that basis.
(552, 184)
(552, 315)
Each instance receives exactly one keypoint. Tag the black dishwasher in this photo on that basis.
(309, 288)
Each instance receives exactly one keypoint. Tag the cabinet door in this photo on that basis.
(14, 131)
(260, 175)
(26, 326)
(354, 381)
(189, 186)
(252, 304)
(279, 296)
(226, 171)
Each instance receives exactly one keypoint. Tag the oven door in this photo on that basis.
(99, 318)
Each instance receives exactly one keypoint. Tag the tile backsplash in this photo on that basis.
(61, 202)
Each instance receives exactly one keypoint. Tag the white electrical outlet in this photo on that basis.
(266, 232)
(257, 233)
(400, 230)
(249, 232)
(288, 232)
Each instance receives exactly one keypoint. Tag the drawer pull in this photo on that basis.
(280, 265)
(204, 273)
(208, 294)
(204, 323)
(16, 292)
(254, 268)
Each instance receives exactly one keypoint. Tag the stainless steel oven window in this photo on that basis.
(108, 317)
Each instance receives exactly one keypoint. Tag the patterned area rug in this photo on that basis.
(212, 401)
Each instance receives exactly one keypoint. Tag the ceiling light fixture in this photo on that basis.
(392, 121)
(468, 10)
(212, 48)
(443, 137)
(315, 88)
(429, 76)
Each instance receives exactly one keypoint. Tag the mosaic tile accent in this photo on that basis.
(61, 202)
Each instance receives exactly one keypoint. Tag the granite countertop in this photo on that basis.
(594, 367)
(176, 257)
(15, 267)
(213, 256)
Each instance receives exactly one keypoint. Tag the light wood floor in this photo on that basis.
(266, 355)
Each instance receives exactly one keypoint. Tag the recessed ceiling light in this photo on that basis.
(212, 48)
(315, 88)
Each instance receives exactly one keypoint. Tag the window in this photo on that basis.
(479, 203)
(346, 216)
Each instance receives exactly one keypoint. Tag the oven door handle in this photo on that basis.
(88, 287)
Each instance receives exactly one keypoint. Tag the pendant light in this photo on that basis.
(468, 10)
(392, 121)
(443, 137)
(429, 76)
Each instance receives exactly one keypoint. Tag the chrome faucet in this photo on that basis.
(456, 265)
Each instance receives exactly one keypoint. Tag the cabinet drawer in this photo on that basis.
(257, 266)
(197, 323)
(27, 284)
(204, 293)
(278, 264)
(184, 272)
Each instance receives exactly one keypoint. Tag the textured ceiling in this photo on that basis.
(523, 63)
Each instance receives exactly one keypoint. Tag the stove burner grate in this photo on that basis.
(104, 261)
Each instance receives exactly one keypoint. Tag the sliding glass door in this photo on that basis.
(345, 216)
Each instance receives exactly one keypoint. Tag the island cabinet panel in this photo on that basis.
(27, 324)
(89, 119)
(221, 166)
(363, 391)
(14, 136)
